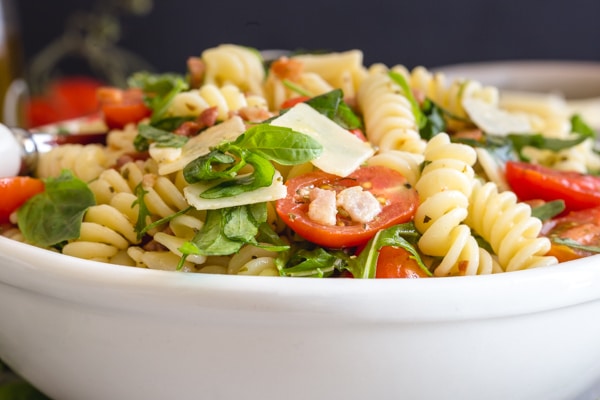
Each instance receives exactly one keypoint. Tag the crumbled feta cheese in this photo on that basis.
(322, 207)
(360, 205)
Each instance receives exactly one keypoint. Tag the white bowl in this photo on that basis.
(85, 330)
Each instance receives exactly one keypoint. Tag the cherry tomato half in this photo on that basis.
(398, 199)
(582, 226)
(395, 262)
(121, 107)
(14, 191)
(530, 182)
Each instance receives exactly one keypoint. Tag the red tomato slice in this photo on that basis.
(14, 191)
(531, 182)
(582, 226)
(398, 199)
(395, 262)
(121, 107)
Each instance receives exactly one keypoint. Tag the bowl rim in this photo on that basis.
(551, 75)
(130, 289)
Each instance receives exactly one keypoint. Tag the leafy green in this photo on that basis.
(258, 146)
(159, 90)
(314, 262)
(332, 105)
(402, 235)
(226, 230)
(55, 215)
(407, 92)
(576, 245)
(148, 134)
(539, 141)
(296, 88)
(578, 125)
(434, 120)
(548, 210)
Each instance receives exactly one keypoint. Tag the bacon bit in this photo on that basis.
(188, 129)
(254, 114)
(153, 245)
(474, 134)
(196, 68)
(131, 157)
(208, 117)
(419, 96)
(462, 267)
(285, 68)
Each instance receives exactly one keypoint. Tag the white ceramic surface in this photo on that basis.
(85, 330)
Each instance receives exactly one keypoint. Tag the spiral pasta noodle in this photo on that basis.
(508, 227)
(85, 161)
(238, 65)
(227, 99)
(389, 121)
(444, 189)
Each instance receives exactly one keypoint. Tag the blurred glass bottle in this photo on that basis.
(11, 62)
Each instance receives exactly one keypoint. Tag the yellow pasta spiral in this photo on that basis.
(508, 227)
(444, 189)
(389, 121)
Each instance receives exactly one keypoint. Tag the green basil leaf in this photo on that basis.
(240, 222)
(332, 105)
(315, 262)
(262, 176)
(280, 144)
(210, 240)
(55, 215)
(202, 168)
(157, 85)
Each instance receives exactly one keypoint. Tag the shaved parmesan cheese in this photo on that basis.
(342, 151)
(276, 191)
(494, 120)
(198, 146)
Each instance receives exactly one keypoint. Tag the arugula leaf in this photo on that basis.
(55, 215)
(578, 125)
(537, 140)
(548, 210)
(407, 92)
(296, 88)
(159, 90)
(434, 120)
(148, 134)
(241, 223)
(576, 245)
(402, 235)
(311, 261)
(143, 213)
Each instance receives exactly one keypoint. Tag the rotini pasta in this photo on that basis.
(262, 199)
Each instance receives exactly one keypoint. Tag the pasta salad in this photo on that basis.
(316, 165)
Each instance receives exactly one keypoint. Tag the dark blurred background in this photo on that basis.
(161, 34)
